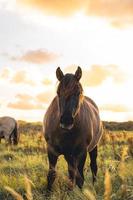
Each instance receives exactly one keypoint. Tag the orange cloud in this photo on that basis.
(5, 73)
(58, 7)
(122, 22)
(28, 102)
(37, 57)
(114, 108)
(25, 102)
(97, 74)
(21, 77)
(118, 12)
(23, 105)
(47, 82)
(45, 97)
(111, 8)
(24, 97)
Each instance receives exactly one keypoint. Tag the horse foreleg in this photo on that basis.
(80, 167)
(52, 173)
(71, 169)
(93, 163)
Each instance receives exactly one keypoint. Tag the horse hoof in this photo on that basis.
(70, 186)
(94, 181)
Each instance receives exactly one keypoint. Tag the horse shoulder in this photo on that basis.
(89, 110)
(91, 102)
(95, 122)
(89, 119)
(51, 118)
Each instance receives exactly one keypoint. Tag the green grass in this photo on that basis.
(29, 159)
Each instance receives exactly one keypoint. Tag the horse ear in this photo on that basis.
(78, 73)
(59, 74)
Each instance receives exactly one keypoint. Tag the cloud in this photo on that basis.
(58, 7)
(122, 22)
(47, 82)
(118, 12)
(23, 105)
(25, 102)
(28, 102)
(21, 77)
(115, 108)
(5, 73)
(45, 97)
(36, 56)
(24, 97)
(111, 8)
(97, 74)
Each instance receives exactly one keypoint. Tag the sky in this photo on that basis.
(37, 36)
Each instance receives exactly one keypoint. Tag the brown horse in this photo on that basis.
(72, 127)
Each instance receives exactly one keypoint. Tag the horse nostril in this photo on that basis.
(71, 120)
(66, 119)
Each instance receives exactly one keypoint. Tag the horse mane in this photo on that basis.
(69, 85)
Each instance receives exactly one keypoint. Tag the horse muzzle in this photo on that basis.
(66, 122)
(66, 127)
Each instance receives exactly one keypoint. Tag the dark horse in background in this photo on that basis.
(72, 128)
(9, 130)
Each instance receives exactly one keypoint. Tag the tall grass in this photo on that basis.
(15, 194)
(115, 174)
(28, 184)
(108, 186)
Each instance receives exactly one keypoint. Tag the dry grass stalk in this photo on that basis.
(108, 186)
(89, 195)
(28, 184)
(124, 154)
(122, 167)
(15, 194)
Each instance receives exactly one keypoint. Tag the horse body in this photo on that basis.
(72, 127)
(87, 121)
(8, 129)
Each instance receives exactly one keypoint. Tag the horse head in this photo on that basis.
(69, 93)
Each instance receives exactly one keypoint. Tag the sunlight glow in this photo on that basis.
(75, 40)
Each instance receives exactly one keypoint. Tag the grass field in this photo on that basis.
(24, 169)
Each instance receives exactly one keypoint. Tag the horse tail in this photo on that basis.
(15, 134)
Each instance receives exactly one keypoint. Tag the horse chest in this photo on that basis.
(64, 140)
(67, 143)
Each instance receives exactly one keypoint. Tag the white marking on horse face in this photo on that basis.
(67, 127)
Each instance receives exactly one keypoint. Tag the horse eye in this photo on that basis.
(78, 93)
